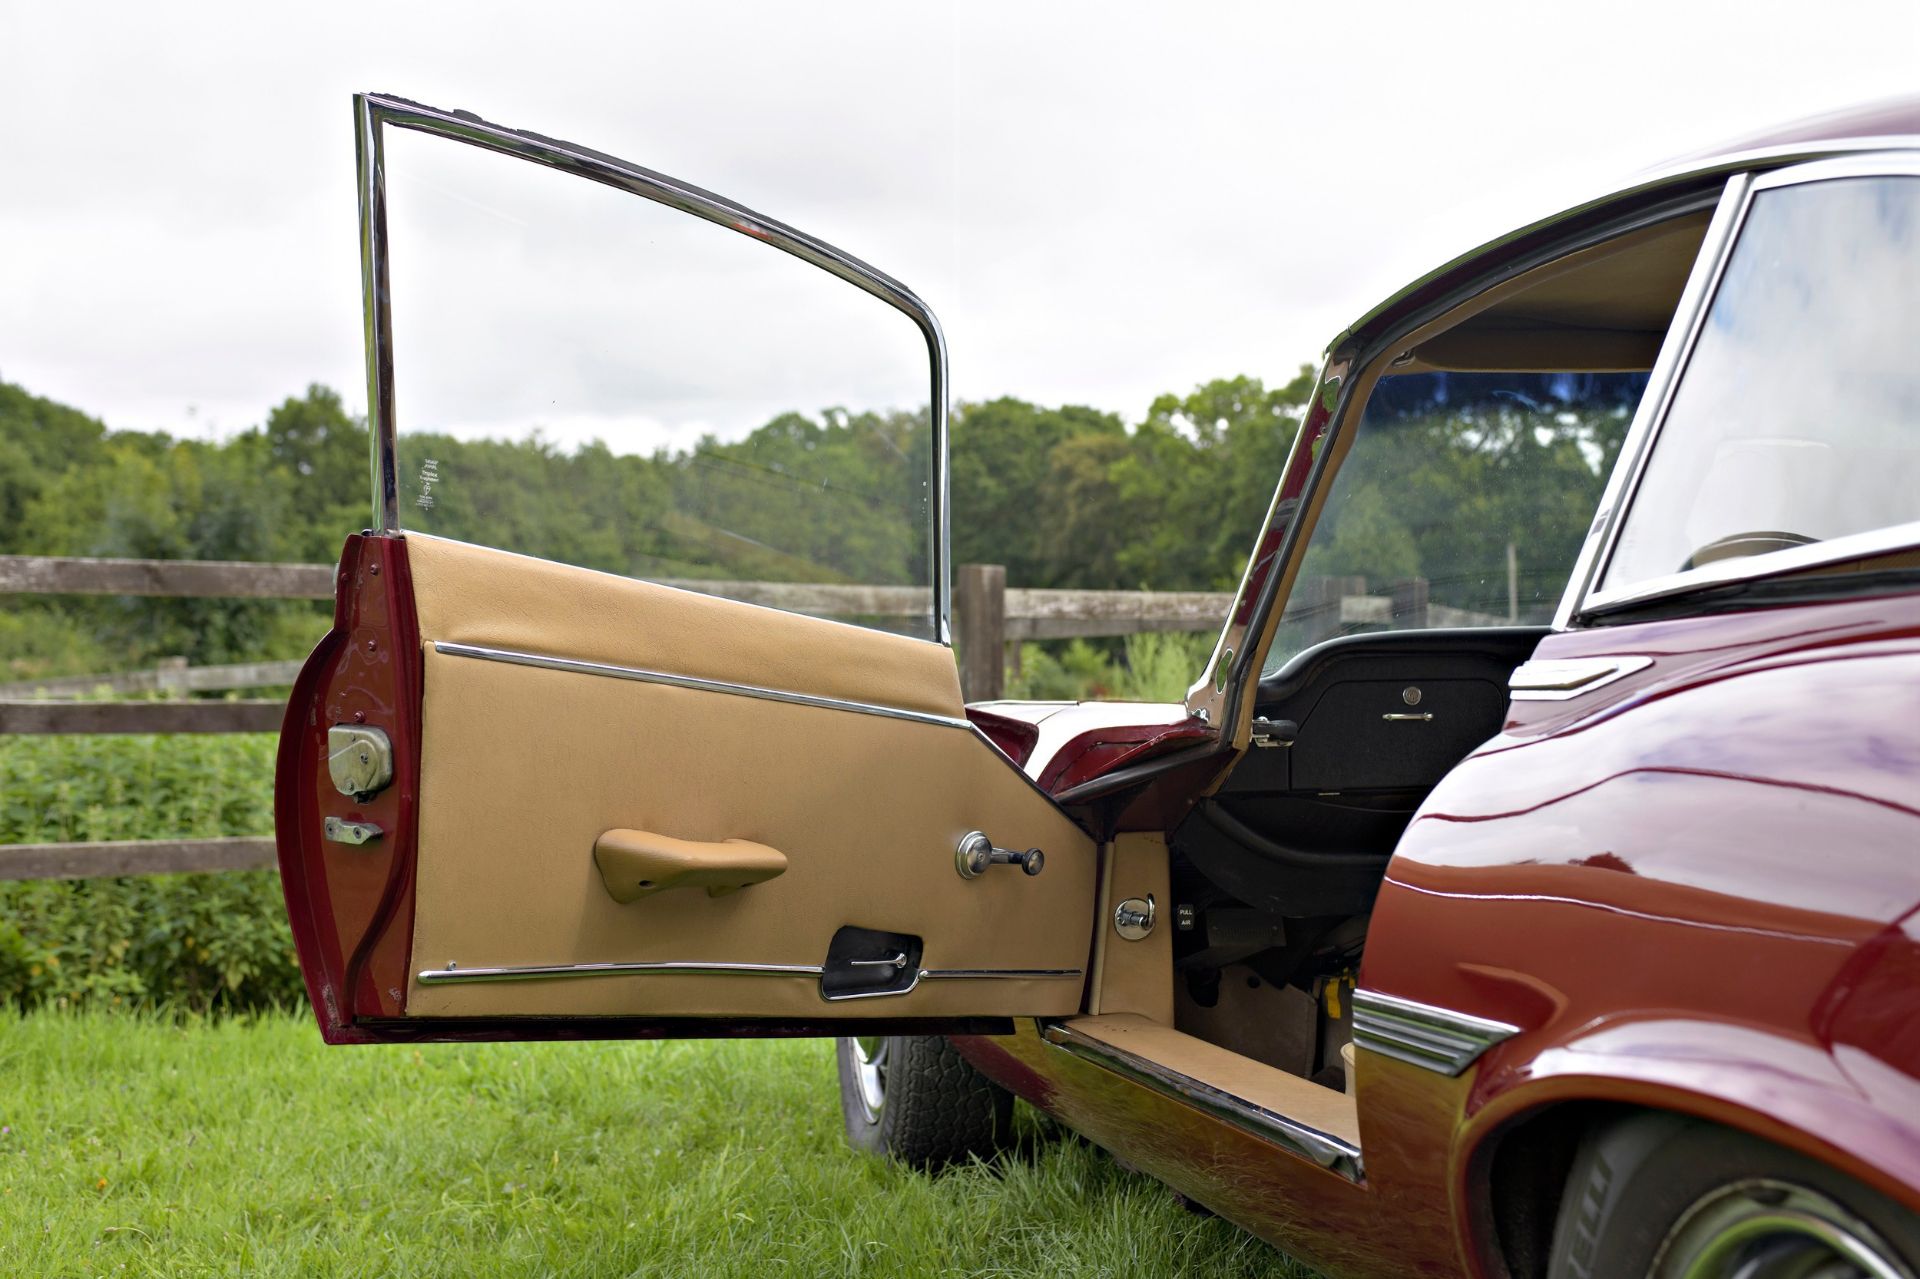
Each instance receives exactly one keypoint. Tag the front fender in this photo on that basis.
(1788, 1091)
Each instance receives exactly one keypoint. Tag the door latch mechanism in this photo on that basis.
(359, 759)
(1133, 918)
(976, 852)
(341, 831)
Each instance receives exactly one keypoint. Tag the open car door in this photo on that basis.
(518, 798)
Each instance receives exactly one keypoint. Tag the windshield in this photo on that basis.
(1463, 502)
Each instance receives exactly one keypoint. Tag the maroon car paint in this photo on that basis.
(1707, 873)
(351, 908)
(1645, 881)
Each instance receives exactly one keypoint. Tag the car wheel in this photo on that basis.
(914, 1099)
(1667, 1197)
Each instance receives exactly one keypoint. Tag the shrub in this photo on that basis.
(201, 942)
(1152, 667)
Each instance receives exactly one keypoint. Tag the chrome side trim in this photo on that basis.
(453, 975)
(374, 110)
(1557, 680)
(578, 667)
(1437, 1039)
(1335, 1154)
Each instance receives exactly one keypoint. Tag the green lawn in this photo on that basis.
(132, 1144)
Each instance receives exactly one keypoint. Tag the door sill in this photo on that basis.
(1317, 1124)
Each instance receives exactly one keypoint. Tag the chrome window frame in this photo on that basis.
(373, 111)
(1584, 598)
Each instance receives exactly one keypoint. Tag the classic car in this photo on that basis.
(1553, 910)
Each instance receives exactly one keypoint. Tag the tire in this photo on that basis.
(914, 1099)
(1663, 1196)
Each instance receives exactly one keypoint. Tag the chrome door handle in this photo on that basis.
(1403, 717)
(895, 960)
(976, 852)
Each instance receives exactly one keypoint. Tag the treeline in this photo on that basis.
(1481, 485)
(1064, 497)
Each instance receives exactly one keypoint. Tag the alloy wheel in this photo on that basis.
(1764, 1229)
(870, 1053)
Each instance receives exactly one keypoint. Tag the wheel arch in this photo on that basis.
(1525, 1125)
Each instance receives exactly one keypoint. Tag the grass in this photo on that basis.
(142, 1145)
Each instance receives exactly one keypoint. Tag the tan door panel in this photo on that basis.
(474, 595)
(525, 767)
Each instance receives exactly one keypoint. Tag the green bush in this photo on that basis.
(201, 942)
(185, 786)
(213, 942)
(1152, 667)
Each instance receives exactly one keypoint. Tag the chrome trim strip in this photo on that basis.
(373, 110)
(1424, 1035)
(375, 318)
(1005, 974)
(1557, 680)
(939, 974)
(1335, 1154)
(578, 667)
(1688, 316)
(452, 975)
(1584, 595)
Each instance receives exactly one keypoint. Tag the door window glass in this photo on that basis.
(1797, 417)
(587, 376)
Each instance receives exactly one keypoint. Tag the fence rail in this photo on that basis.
(191, 579)
(134, 857)
(172, 676)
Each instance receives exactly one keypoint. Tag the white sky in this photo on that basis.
(1101, 201)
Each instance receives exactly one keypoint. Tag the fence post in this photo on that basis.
(980, 630)
(170, 677)
(1410, 603)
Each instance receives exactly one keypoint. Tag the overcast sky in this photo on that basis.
(1102, 202)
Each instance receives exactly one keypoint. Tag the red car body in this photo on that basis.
(1765, 976)
(1761, 972)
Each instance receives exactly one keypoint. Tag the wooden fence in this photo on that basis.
(987, 617)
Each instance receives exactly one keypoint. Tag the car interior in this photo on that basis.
(1268, 879)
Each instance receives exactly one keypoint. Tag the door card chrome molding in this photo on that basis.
(578, 667)
(1335, 1154)
(1425, 1035)
(453, 974)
